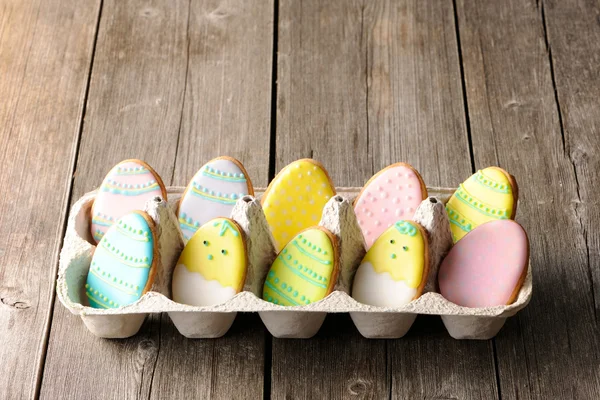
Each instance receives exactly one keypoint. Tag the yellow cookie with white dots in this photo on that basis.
(295, 199)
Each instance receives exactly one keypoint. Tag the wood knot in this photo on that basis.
(357, 388)
(20, 305)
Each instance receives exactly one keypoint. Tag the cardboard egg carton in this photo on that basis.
(283, 322)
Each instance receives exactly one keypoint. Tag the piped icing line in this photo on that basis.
(188, 223)
(224, 176)
(285, 296)
(113, 284)
(140, 235)
(115, 253)
(129, 190)
(456, 218)
(102, 220)
(98, 235)
(131, 171)
(204, 193)
(92, 298)
(226, 225)
(405, 228)
(301, 275)
(90, 292)
(476, 204)
(306, 253)
(484, 180)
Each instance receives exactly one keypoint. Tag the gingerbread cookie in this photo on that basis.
(212, 193)
(391, 195)
(487, 266)
(490, 194)
(124, 262)
(305, 271)
(126, 188)
(295, 199)
(212, 266)
(394, 271)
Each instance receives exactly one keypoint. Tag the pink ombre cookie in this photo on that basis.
(487, 267)
(393, 194)
(126, 188)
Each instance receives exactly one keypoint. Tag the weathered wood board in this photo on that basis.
(551, 349)
(45, 53)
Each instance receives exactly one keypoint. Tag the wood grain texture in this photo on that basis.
(45, 55)
(550, 350)
(361, 86)
(226, 112)
(191, 81)
(134, 111)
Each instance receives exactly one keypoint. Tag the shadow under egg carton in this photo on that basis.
(283, 322)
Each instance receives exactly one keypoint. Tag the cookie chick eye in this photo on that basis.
(205, 242)
(405, 248)
(392, 241)
(224, 252)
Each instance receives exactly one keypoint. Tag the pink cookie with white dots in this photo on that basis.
(391, 195)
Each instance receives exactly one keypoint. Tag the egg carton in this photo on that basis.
(283, 322)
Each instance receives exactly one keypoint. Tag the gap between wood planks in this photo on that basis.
(48, 325)
(268, 356)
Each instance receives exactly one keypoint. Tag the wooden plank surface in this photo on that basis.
(361, 86)
(227, 111)
(45, 54)
(550, 350)
(175, 99)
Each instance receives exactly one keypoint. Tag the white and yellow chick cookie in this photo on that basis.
(394, 270)
(212, 266)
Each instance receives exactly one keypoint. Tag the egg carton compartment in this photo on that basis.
(283, 322)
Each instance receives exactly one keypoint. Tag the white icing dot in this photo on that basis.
(409, 185)
(384, 210)
(290, 199)
(408, 197)
(315, 168)
(308, 188)
(276, 202)
(395, 200)
(314, 217)
(327, 197)
(367, 233)
(398, 174)
(320, 193)
(300, 198)
(360, 221)
(368, 194)
(388, 180)
(266, 205)
(285, 235)
(282, 191)
(323, 184)
(379, 188)
(309, 173)
(384, 195)
(410, 209)
(311, 201)
(389, 224)
(297, 188)
(399, 187)
(377, 223)
(294, 208)
(299, 224)
(283, 212)
(303, 212)
(299, 176)
(288, 222)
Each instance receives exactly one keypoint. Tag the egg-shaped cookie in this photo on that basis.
(488, 195)
(487, 266)
(394, 270)
(212, 266)
(127, 187)
(295, 199)
(124, 262)
(212, 193)
(391, 195)
(305, 271)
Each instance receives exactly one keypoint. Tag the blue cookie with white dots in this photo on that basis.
(212, 193)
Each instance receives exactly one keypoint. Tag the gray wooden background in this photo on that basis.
(448, 86)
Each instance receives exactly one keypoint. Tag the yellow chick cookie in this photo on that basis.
(490, 194)
(295, 199)
(394, 270)
(212, 266)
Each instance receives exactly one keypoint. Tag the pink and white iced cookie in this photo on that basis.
(126, 188)
(212, 193)
(391, 195)
(487, 266)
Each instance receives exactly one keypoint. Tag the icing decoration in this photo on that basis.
(127, 187)
(392, 194)
(295, 199)
(212, 193)
(304, 270)
(122, 263)
(212, 266)
(485, 196)
(486, 268)
(393, 271)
